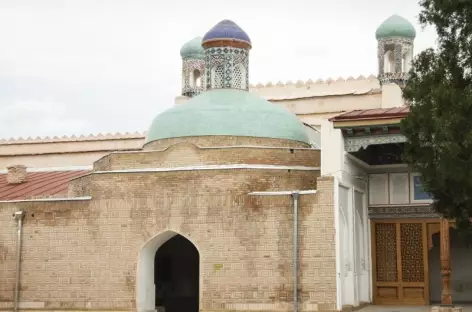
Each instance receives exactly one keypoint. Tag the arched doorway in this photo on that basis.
(176, 276)
(168, 275)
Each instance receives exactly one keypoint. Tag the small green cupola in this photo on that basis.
(193, 49)
(395, 38)
(193, 67)
(395, 26)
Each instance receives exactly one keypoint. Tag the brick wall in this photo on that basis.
(318, 254)
(222, 140)
(186, 154)
(80, 186)
(16, 174)
(215, 182)
(83, 255)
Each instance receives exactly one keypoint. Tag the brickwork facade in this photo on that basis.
(83, 254)
(224, 140)
(188, 154)
(16, 174)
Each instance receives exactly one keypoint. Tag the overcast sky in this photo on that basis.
(89, 66)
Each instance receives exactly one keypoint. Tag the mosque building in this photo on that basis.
(276, 197)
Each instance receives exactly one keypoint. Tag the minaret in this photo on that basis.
(395, 38)
(226, 48)
(193, 67)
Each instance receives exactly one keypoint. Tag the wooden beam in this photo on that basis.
(366, 122)
(446, 294)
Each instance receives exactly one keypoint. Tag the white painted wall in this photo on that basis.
(346, 259)
(392, 96)
(353, 260)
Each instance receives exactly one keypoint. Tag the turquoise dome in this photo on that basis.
(395, 26)
(227, 112)
(193, 49)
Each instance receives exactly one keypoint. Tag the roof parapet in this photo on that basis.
(309, 82)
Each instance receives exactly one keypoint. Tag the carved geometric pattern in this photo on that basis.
(188, 67)
(398, 58)
(218, 77)
(386, 252)
(411, 241)
(355, 144)
(402, 212)
(237, 77)
(399, 78)
(391, 41)
(399, 46)
(235, 62)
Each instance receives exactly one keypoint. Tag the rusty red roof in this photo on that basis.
(377, 113)
(39, 184)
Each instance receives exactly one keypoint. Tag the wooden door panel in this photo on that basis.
(413, 295)
(385, 258)
(400, 263)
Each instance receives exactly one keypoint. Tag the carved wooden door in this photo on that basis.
(400, 262)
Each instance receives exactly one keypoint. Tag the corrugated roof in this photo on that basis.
(39, 184)
(377, 113)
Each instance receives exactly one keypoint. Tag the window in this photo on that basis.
(197, 78)
(389, 62)
(217, 75)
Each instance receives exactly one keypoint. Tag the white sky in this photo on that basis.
(88, 66)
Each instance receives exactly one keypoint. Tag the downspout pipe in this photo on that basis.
(295, 196)
(19, 216)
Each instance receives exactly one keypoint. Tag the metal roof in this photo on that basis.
(39, 184)
(372, 114)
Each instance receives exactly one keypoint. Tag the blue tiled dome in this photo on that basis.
(228, 30)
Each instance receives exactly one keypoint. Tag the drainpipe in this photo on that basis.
(295, 195)
(19, 216)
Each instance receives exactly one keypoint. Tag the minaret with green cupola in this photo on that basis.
(395, 38)
(193, 67)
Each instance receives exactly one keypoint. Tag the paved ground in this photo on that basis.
(373, 308)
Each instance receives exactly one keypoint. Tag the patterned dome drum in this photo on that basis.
(226, 30)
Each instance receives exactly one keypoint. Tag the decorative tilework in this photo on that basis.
(227, 67)
(189, 86)
(237, 76)
(218, 74)
(402, 211)
(399, 78)
(354, 144)
(402, 49)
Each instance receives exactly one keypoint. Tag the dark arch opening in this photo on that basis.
(461, 271)
(176, 276)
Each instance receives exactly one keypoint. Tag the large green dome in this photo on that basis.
(227, 112)
(193, 49)
(395, 26)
